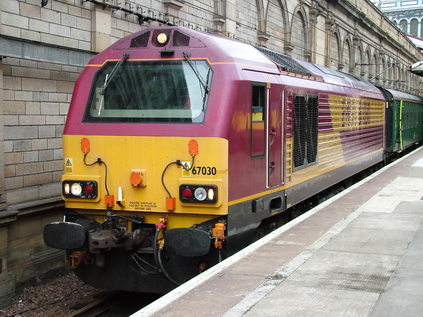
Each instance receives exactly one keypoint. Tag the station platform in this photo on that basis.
(359, 253)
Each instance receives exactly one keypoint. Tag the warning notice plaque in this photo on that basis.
(186, 170)
(68, 165)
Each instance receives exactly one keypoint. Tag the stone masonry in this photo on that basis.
(44, 45)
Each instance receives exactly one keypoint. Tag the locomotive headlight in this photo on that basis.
(210, 194)
(80, 189)
(66, 189)
(191, 193)
(162, 38)
(76, 189)
(200, 193)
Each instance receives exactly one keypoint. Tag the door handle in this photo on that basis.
(272, 167)
(272, 135)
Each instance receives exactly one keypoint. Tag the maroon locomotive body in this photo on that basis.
(179, 144)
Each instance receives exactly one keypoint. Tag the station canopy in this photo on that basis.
(417, 68)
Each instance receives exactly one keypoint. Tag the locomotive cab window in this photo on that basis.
(258, 103)
(156, 91)
(305, 131)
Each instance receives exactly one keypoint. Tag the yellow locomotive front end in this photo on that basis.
(159, 202)
(146, 176)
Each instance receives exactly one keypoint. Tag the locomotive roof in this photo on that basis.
(400, 95)
(290, 64)
(220, 47)
(335, 77)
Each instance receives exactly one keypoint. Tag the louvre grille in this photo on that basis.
(312, 116)
(299, 130)
(285, 62)
(305, 130)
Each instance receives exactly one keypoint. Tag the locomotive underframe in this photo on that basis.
(140, 255)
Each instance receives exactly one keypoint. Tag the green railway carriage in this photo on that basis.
(404, 120)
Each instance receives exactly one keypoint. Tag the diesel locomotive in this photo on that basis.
(179, 144)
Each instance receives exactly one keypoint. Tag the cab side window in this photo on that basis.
(258, 108)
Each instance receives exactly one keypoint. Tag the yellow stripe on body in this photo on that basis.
(346, 114)
(291, 184)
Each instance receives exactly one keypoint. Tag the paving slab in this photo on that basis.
(404, 293)
(293, 300)
(365, 270)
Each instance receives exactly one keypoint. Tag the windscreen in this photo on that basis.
(156, 91)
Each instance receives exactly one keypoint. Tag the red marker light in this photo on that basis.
(88, 189)
(187, 193)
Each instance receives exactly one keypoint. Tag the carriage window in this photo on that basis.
(258, 103)
(305, 130)
(156, 91)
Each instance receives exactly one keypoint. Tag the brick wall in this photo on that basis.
(65, 23)
(35, 103)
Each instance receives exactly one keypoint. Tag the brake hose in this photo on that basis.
(158, 258)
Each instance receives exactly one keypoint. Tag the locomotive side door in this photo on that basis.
(274, 135)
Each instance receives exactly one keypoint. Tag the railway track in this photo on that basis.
(99, 307)
(116, 304)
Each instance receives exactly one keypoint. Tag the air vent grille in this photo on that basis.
(141, 40)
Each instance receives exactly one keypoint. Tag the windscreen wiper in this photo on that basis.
(194, 69)
(110, 75)
(207, 85)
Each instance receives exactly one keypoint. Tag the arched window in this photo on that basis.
(390, 72)
(382, 75)
(276, 25)
(346, 57)
(374, 69)
(367, 67)
(403, 26)
(414, 27)
(402, 78)
(358, 61)
(334, 51)
(395, 76)
(299, 36)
